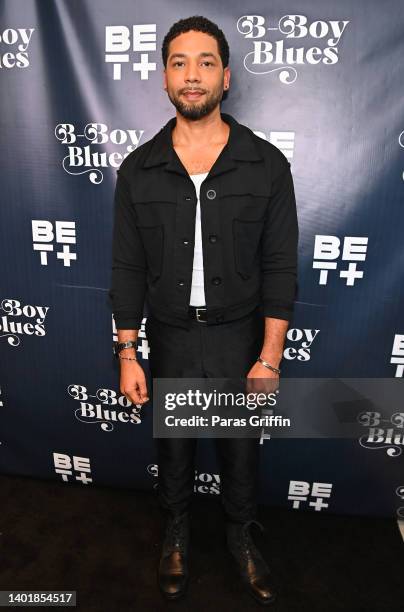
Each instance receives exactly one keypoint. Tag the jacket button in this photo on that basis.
(219, 318)
(186, 197)
(216, 280)
(211, 194)
(181, 283)
(185, 241)
(213, 238)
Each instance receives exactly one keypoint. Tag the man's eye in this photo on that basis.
(209, 63)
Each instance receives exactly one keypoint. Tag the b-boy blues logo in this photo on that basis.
(14, 45)
(401, 143)
(17, 319)
(85, 154)
(277, 55)
(203, 482)
(105, 407)
(383, 433)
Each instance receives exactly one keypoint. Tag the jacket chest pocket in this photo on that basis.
(155, 208)
(246, 242)
(244, 197)
(153, 243)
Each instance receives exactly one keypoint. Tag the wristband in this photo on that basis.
(267, 365)
(117, 347)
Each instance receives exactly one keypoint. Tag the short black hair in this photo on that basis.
(200, 24)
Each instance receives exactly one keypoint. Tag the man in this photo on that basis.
(205, 229)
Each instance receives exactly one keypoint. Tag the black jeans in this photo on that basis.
(216, 351)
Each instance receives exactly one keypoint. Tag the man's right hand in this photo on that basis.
(133, 381)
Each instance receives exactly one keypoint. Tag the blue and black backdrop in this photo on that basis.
(82, 87)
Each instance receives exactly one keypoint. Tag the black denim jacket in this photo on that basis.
(249, 232)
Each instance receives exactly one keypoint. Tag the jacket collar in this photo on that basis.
(240, 146)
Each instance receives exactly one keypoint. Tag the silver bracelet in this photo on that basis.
(267, 365)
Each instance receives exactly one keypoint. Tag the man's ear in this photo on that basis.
(227, 73)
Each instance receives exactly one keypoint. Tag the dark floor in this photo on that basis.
(105, 542)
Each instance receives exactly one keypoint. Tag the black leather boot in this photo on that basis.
(173, 566)
(250, 564)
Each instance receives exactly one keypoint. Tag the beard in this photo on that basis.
(196, 109)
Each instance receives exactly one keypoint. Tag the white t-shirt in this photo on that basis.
(197, 288)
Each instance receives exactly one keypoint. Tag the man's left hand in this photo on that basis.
(261, 379)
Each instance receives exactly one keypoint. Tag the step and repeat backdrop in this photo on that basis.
(82, 87)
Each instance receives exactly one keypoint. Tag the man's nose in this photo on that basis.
(192, 74)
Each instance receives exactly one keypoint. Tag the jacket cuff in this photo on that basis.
(125, 322)
(277, 312)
